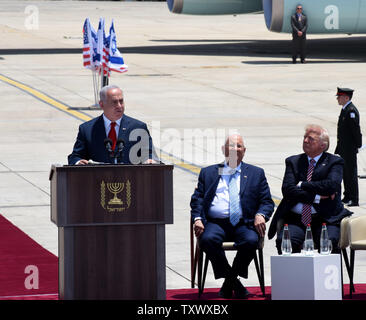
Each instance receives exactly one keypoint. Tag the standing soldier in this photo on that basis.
(349, 139)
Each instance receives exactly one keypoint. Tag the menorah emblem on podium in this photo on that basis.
(115, 188)
(112, 200)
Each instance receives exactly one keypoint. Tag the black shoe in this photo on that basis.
(303, 61)
(351, 203)
(294, 61)
(226, 290)
(240, 292)
(345, 200)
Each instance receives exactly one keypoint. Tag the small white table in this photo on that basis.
(300, 277)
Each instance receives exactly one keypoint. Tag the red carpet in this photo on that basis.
(212, 294)
(255, 293)
(18, 251)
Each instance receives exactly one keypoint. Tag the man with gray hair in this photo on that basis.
(113, 137)
(311, 191)
(232, 202)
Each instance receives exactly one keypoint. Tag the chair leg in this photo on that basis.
(261, 264)
(193, 257)
(195, 263)
(259, 272)
(352, 264)
(348, 268)
(342, 274)
(204, 274)
(199, 271)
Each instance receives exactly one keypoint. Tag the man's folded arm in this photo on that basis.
(290, 188)
(328, 186)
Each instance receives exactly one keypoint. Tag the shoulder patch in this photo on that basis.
(352, 115)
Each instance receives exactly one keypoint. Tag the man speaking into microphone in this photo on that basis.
(113, 137)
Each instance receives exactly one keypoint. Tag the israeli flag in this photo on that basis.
(116, 62)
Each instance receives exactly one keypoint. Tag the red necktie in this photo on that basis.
(306, 208)
(112, 135)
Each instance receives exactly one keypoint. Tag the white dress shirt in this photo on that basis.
(344, 107)
(107, 125)
(219, 208)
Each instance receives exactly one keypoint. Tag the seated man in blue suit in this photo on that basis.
(232, 202)
(90, 143)
(311, 191)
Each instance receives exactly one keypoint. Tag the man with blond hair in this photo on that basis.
(311, 191)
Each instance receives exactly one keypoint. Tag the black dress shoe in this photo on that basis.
(345, 200)
(226, 290)
(351, 203)
(240, 292)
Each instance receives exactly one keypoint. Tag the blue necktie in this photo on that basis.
(233, 201)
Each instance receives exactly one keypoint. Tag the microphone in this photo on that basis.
(119, 148)
(120, 145)
(108, 145)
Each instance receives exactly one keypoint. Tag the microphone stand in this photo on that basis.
(118, 151)
(108, 145)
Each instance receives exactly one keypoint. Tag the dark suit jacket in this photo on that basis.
(255, 196)
(349, 137)
(89, 144)
(326, 180)
(299, 25)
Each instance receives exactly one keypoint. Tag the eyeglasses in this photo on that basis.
(298, 8)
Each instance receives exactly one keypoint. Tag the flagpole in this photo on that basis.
(96, 81)
(101, 69)
(95, 89)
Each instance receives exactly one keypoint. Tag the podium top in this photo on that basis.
(111, 194)
(61, 167)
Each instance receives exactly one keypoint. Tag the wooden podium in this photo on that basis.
(111, 229)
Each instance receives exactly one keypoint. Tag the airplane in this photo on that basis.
(324, 16)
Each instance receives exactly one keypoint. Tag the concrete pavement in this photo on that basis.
(187, 76)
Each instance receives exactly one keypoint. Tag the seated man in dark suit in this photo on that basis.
(232, 202)
(113, 123)
(311, 191)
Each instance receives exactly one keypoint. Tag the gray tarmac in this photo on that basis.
(188, 76)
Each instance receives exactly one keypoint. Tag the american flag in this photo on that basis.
(100, 44)
(87, 45)
(105, 56)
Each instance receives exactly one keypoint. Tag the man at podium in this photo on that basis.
(113, 137)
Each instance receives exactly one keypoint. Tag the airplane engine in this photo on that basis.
(324, 16)
(208, 7)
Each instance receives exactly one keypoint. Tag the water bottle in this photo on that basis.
(324, 240)
(309, 243)
(286, 241)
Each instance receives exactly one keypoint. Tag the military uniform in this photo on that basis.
(349, 139)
